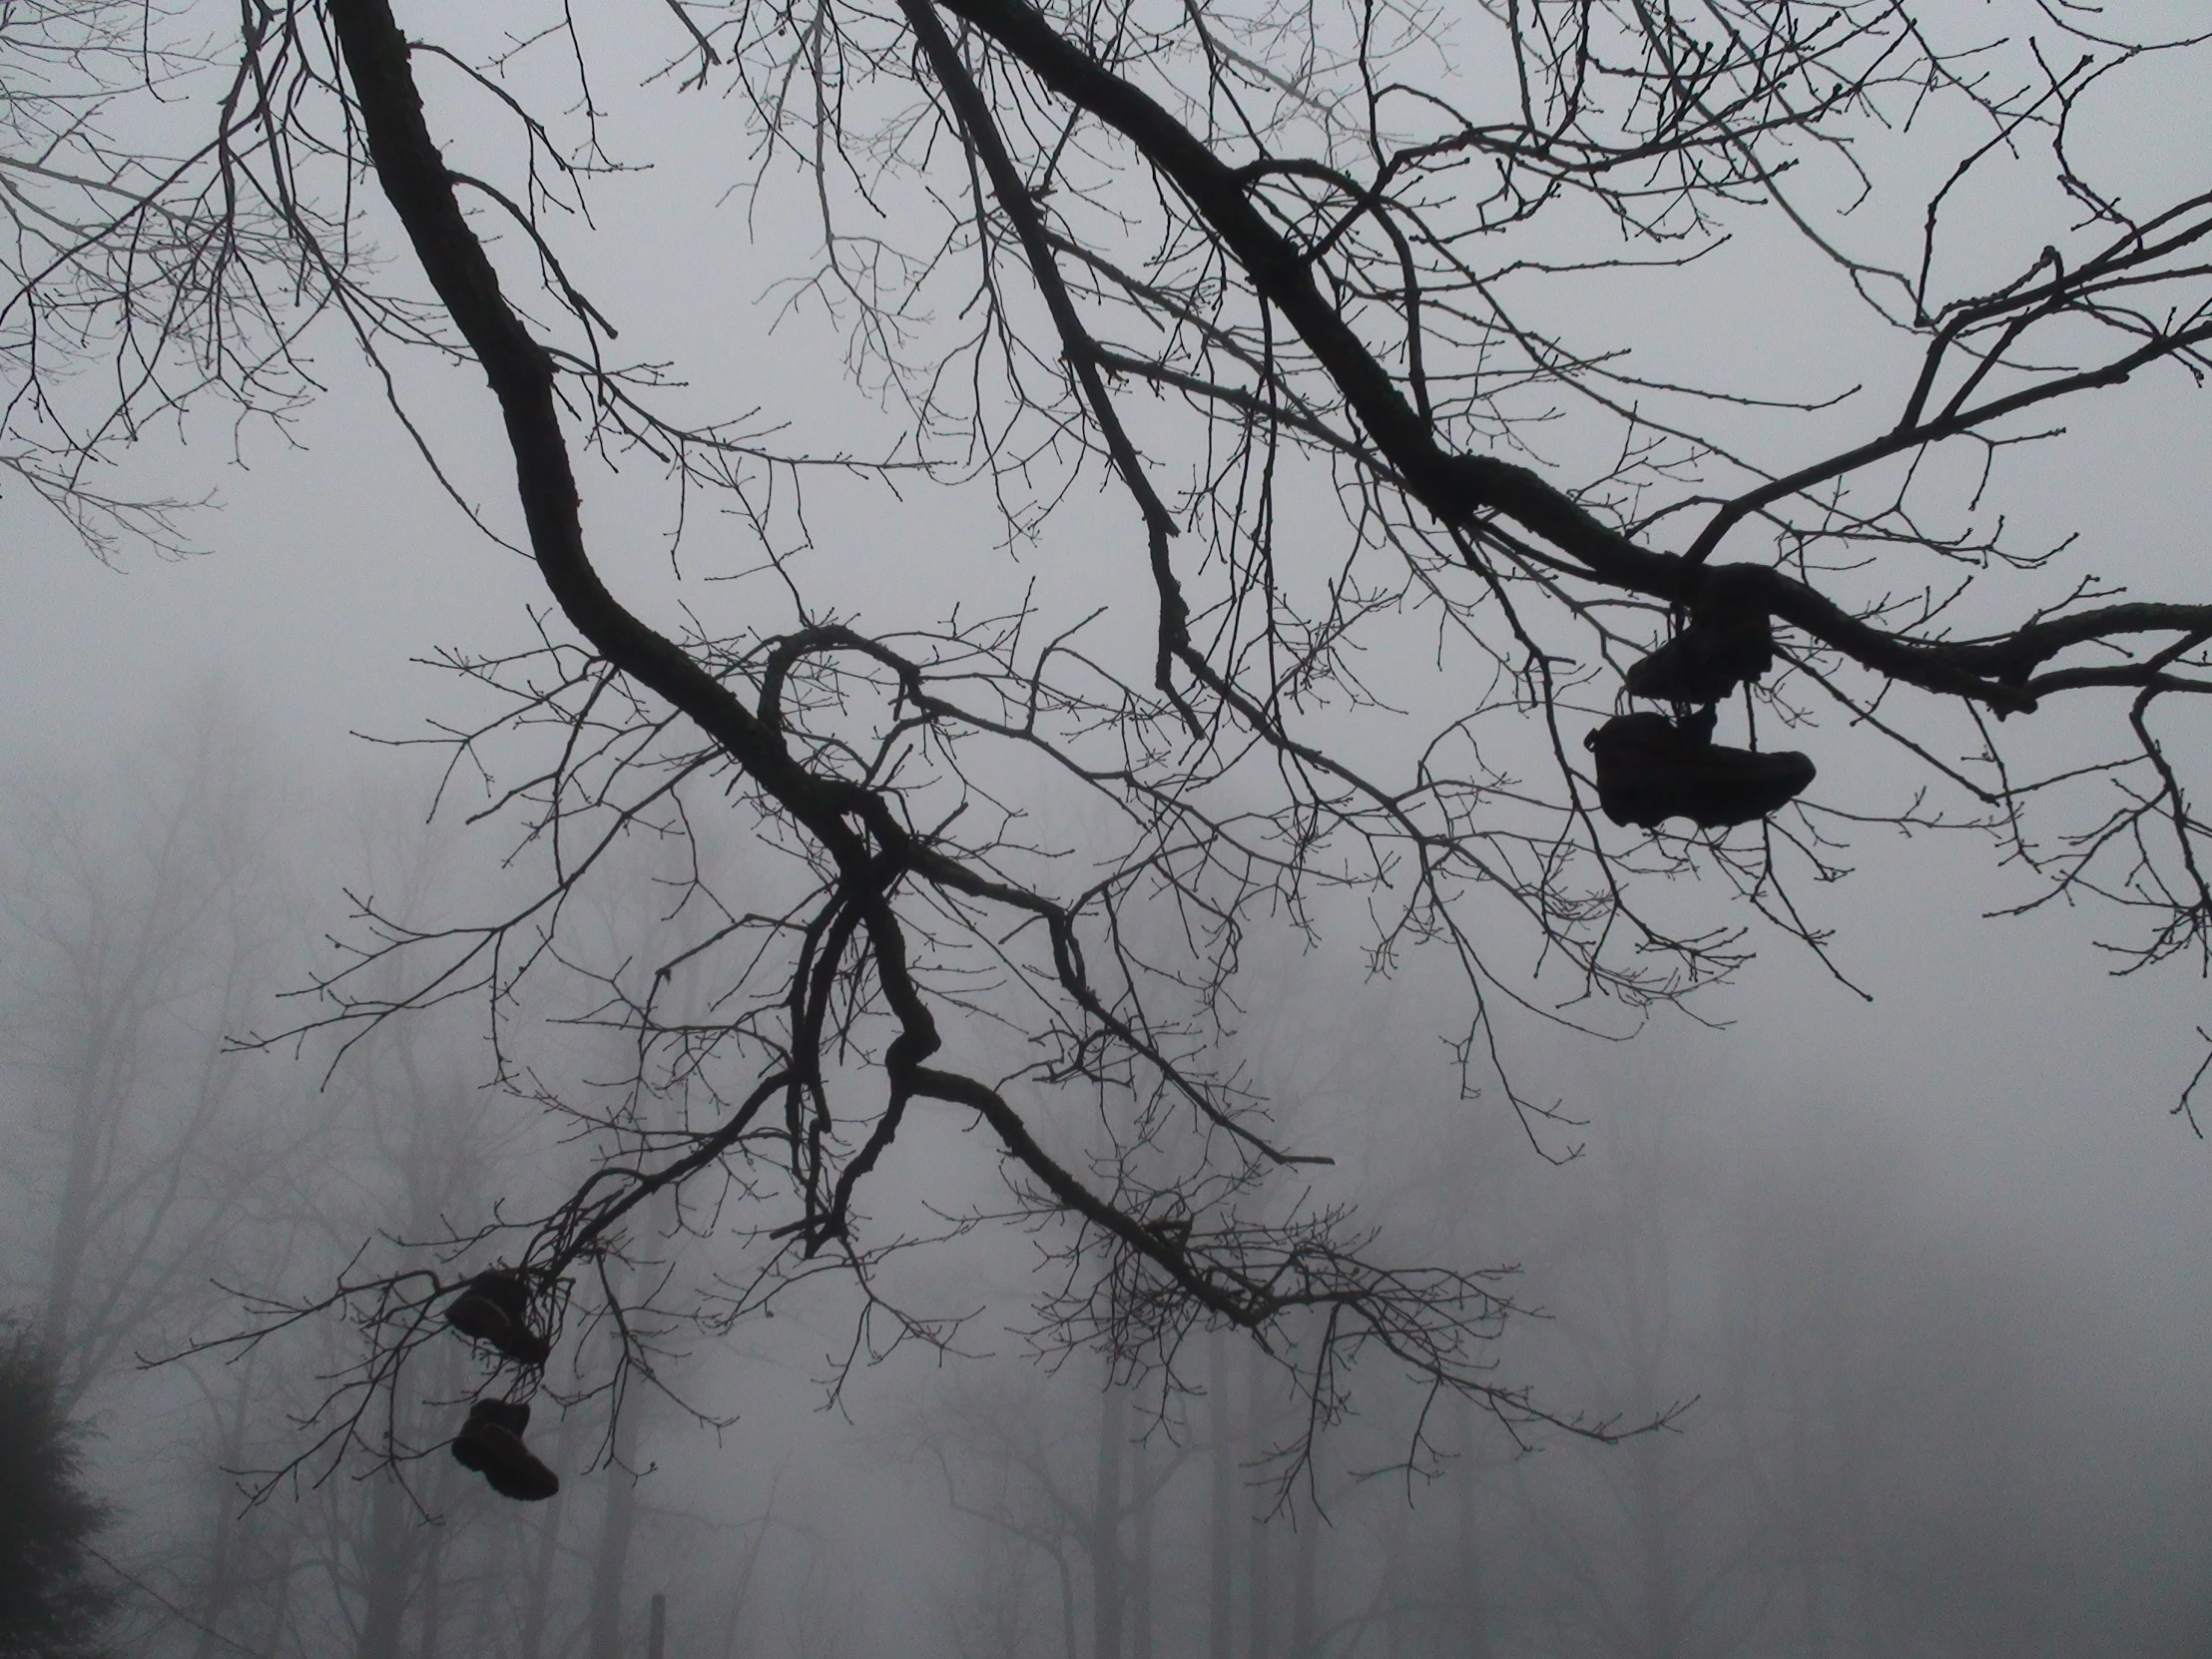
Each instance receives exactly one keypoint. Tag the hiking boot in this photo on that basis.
(1728, 641)
(490, 1442)
(493, 1308)
(1651, 768)
(511, 1414)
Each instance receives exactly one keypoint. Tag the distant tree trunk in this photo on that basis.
(131, 954)
(1105, 1539)
(493, 1615)
(1222, 1468)
(1306, 1591)
(1472, 1602)
(733, 1633)
(740, 1591)
(437, 1486)
(218, 1587)
(539, 1599)
(1140, 1547)
(385, 1567)
(1068, 1646)
(1394, 1580)
(428, 1626)
(280, 1571)
(1258, 1587)
(72, 1212)
(619, 1514)
(1662, 1581)
(611, 1563)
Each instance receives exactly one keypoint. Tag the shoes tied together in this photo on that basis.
(494, 1309)
(1651, 768)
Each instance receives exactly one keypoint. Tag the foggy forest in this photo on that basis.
(1002, 830)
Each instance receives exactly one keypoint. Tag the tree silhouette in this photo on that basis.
(1320, 304)
(49, 1607)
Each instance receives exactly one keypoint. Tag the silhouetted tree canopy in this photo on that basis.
(1267, 507)
(49, 1605)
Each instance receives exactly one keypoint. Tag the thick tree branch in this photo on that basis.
(1460, 488)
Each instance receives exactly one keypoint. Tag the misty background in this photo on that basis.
(1920, 1280)
(1917, 1278)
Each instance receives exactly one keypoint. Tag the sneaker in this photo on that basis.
(490, 1443)
(1729, 640)
(492, 1307)
(1651, 768)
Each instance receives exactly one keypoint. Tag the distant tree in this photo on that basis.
(140, 924)
(1333, 304)
(50, 1606)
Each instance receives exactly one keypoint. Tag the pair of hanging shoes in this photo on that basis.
(493, 1308)
(1651, 768)
(490, 1442)
(1728, 641)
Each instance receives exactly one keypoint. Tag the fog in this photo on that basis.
(1864, 1296)
(1912, 1285)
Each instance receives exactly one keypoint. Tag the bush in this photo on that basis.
(48, 1609)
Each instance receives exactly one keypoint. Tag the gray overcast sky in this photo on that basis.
(2003, 1047)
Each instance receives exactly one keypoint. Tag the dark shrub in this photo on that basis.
(48, 1607)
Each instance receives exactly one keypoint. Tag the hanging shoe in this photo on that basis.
(490, 1442)
(1650, 769)
(1728, 641)
(493, 1308)
(511, 1414)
